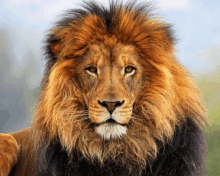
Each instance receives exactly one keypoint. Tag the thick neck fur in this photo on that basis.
(184, 153)
(54, 161)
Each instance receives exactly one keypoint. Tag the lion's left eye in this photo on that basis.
(129, 69)
(92, 69)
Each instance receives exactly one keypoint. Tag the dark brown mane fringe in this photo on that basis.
(168, 101)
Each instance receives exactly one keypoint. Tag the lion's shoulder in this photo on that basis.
(15, 151)
(8, 153)
(22, 136)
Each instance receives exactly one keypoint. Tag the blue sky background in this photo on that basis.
(24, 24)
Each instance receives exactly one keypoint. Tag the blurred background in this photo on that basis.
(24, 24)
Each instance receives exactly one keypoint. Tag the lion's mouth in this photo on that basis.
(111, 129)
(110, 122)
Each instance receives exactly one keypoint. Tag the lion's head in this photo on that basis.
(112, 87)
(110, 79)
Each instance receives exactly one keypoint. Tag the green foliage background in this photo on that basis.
(210, 87)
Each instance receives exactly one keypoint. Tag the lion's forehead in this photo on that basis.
(102, 55)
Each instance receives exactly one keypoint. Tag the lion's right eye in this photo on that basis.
(129, 70)
(92, 69)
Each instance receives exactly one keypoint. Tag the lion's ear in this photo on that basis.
(54, 42)
(55, 48)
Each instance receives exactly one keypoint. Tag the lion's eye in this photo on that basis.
(129, 69)
(92, 69)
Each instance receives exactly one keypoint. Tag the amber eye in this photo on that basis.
(92, 69)
(129, 69)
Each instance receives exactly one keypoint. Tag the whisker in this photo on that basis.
(75, 120)
(134, 115)
(73, 111)
(66, 112)
(75, 117)
(136, 107)
(66, 121)
(88, 123)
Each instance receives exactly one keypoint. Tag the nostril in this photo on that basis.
(118, 103)
(111, 105)
(104, 104)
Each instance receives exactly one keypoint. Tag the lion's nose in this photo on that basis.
(111, 105)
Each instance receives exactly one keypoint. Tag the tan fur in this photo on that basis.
(163, 92)
(8, 153)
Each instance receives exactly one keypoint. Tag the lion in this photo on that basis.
(114, 100)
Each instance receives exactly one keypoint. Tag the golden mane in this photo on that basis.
(167, 98)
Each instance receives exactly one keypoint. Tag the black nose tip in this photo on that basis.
(111, 105)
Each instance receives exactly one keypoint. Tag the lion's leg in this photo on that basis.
(8, 153)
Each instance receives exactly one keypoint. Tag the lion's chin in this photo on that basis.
(111, 130)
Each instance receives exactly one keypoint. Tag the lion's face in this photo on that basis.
(111, 80)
